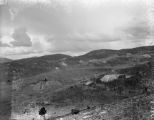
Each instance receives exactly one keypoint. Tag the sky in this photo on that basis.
(39, 27)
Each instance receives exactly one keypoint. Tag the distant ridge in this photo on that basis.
(4, 60)
(91, 53)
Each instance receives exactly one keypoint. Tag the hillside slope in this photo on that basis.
(4, 60)
(60, 82)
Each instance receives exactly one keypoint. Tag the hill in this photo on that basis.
(4, 60)
(61, 82)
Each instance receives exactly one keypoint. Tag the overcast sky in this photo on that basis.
(39, 27)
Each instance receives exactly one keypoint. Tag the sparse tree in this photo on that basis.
(42, 112)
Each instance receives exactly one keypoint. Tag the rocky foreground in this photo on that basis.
(135, 108)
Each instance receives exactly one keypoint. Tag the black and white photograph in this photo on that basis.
(76, 60)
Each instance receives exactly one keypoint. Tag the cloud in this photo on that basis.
(79, 43)
(21, 38)
(79, 19)
(43, 21)
(93, 37)
(39, 47)
(3, 44)
(74, 17)
(4, 41)
(138, 31)
(5, 15)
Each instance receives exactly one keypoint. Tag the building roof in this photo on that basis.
(109, 78)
